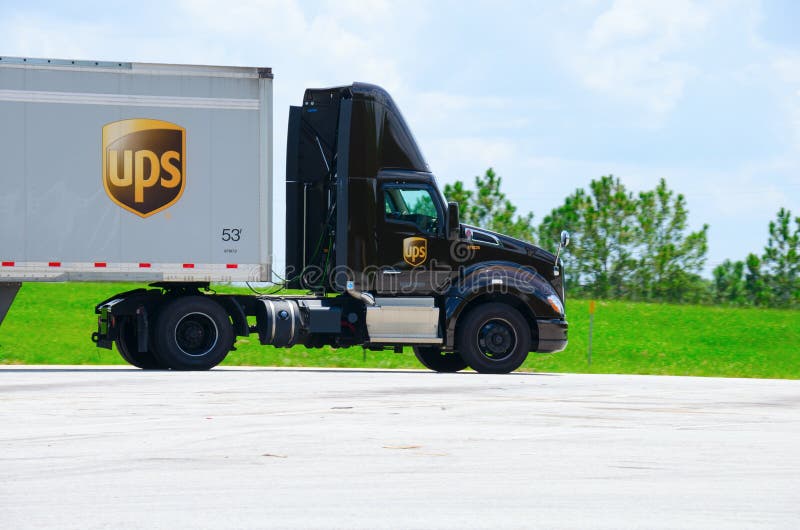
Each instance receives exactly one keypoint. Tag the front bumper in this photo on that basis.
(552, 335)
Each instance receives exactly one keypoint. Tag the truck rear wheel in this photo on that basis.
(434, 359)
(193, 333)
(494, 339)
(128, 348)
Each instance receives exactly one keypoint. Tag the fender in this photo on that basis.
(136, 303)
(236, 310)
(500, 279)
(127, 302)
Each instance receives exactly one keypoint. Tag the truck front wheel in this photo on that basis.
(193, 333)
(494, 339)
(434, 359)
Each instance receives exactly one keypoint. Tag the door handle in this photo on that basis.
(391, 271)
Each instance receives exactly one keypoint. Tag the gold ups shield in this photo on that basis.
(415, 250)
(144, 164)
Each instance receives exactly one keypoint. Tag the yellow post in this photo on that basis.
(591, 331)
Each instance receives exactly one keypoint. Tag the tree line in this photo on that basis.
(638, 246)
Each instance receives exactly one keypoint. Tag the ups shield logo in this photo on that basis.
(415, 250)
(144, 164)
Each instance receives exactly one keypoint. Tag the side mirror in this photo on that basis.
(563, 243)
(453, 222)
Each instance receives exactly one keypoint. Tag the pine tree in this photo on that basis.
(488, 207)
(782, 260)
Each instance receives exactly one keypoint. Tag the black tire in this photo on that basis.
(193, 333)
(434, 359)
(127, 346)
(494, 338)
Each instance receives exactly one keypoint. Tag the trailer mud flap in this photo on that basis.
(142, 330)
(8, 291)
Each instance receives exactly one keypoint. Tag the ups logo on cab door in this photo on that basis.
(415, 250)
(144, 164)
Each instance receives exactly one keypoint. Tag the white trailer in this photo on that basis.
(134, 172)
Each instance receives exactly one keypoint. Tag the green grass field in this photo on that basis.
(52, 323)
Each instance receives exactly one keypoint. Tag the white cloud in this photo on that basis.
(263, 17)
(437, 114)
(787, 68)
(661, 25)
(632, 51)
(375, 13)
(327, 43)
(31, 37)
(460, 157)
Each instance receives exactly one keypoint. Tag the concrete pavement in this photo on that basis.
(110, 447)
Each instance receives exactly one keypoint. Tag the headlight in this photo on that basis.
(555, 303)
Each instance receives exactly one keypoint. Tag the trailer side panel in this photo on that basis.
(132, 171)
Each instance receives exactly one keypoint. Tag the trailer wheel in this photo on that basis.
(193, 333)
(494, 339)
(434, 359)
(128, 348)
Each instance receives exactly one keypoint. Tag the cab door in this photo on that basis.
(413, 251)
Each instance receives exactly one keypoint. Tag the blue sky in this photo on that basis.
(551, 94)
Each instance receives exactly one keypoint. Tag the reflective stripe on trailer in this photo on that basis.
(105, 264)
(82, 271)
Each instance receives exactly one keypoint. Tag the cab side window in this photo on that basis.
(412, 205)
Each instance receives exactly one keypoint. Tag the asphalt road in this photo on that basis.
(90, 447)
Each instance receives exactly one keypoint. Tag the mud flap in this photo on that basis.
(8, 291)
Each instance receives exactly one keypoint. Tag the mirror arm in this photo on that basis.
(561, 245)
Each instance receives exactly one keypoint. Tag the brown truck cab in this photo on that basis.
(366, 218)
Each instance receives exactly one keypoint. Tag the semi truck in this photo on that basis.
(162, 174)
